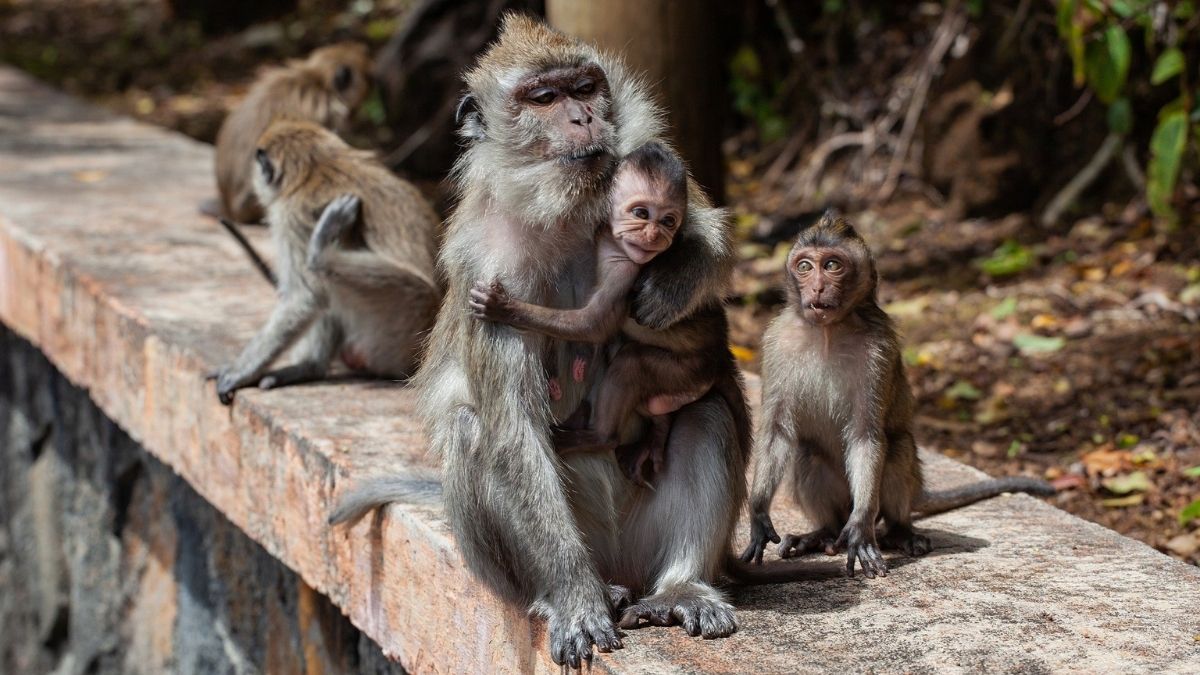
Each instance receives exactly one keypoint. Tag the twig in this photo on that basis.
(1132, 169)
(794, 44)
(1076, 108)
(806, 184)
(1081, 181)
(952, 23)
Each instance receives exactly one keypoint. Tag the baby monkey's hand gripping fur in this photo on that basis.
(837, 412)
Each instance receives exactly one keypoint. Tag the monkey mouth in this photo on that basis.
(585, 154)
(821, 306)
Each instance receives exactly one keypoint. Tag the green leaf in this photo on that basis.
(1121, 8)
(1169, 64)
(1126, 441)
(1166, 151)
(1029, 343)
(1072, 32)
(964, 390)
(1004, 309)
(1014, 449)
(1123, 485)
(1193, 472)
(1108, 63)
(1189, 513)
(1120, 116)
(1008, 259)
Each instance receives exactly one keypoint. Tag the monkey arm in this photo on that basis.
(864, 468)
(596, 322)
(292, 315)
(773, 447)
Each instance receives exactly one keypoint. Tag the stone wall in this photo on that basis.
(111, 563)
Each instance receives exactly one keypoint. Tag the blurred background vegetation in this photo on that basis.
(1025, 172)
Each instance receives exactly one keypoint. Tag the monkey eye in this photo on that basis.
(640, 212)
(668, 222)
(832, 266)
(585, 87)
(804, 267)
(543, 96)
(265, 165)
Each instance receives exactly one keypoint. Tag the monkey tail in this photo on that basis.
(932, 503)
(746, 574)
(255, 258)
(381, 490)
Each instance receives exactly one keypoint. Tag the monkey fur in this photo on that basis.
(355, 249)
(837, 412)
(326, 89)
(544, 120)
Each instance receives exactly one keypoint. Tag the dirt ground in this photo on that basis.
(1072, 354)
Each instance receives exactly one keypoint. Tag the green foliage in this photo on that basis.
(1096, 35)
(751, 97)
(1189, 513)
(1029, 344)
(1008, 259)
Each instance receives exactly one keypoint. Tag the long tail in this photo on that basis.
(781, 572)
(381, 490)
(255, 258)
(931, 503)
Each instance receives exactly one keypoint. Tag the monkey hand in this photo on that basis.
(491, 302)
(228, 381)
(859, 541)
(335, 220)
(761, 532)
(575, 631)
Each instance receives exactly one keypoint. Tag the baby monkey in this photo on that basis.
(837, 412)
(654, 373)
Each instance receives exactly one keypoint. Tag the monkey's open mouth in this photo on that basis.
(821, 306)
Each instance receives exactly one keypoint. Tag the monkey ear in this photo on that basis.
(468, 118)
(343, 78)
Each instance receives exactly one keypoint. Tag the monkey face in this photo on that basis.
(347, 66)
(645, 217)
(266, 176)
(562, 114)
(825, 283)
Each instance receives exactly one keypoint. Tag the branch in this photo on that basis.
(1086, 176)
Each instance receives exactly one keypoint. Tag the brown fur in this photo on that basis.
(302, 90)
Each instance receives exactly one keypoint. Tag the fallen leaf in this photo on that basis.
(90, 176)
(1189, 513)
(1126, 441)
(1069, 481)
(1133, 482)
(1143, 455)
(963, 390)
(1121, 502)
(742, 353)
(1028, 343)
(1044, 321)
(1004, 309)
(1193, 472)
(907, 308)
(1014, 449)
(1184, 545)
(1105, 460)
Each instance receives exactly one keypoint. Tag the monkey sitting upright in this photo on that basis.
(326, 89)
(355, 248)
(837, 412)
(654, 372)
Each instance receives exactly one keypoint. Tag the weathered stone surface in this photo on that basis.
(107, 268)
(110, 563)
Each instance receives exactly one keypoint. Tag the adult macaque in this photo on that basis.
(671, 367)
(544, 118)
(355, 250)
(326, 89)
(837, 412)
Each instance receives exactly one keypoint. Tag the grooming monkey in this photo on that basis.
(544, 118)
(663, 370)
(326, 89)
(837, 412)
(355, 248)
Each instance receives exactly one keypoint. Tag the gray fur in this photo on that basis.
(370, 493)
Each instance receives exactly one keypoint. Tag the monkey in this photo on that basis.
(543, 120)
(676, 367)
(838, 411)
(326, 88)
(355, 250)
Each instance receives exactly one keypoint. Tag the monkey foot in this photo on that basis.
(579, 369)
(699, 613)
(905, 539)
(795, 545)
(619, 596)
(573, 637)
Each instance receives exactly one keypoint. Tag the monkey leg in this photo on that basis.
(633, 456)
(900, 488)
(824, 495)
(292, 315)
(685, 523)
(338, 217)
(315, 350)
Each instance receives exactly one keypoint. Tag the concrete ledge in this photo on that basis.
(106, 266)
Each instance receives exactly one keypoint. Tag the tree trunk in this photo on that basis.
(680, 48)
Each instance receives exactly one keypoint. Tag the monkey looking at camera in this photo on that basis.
(837, 412)
(672, 367)
(355, 248)
(326, 89)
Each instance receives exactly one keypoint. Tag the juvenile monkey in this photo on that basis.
(671, 367)
(837, 412)
(326, 89)
(355, 248)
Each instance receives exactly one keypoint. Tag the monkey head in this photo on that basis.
(539, 111)
(288, 152)
(649, 201)
(830, 272)
(346, 69)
